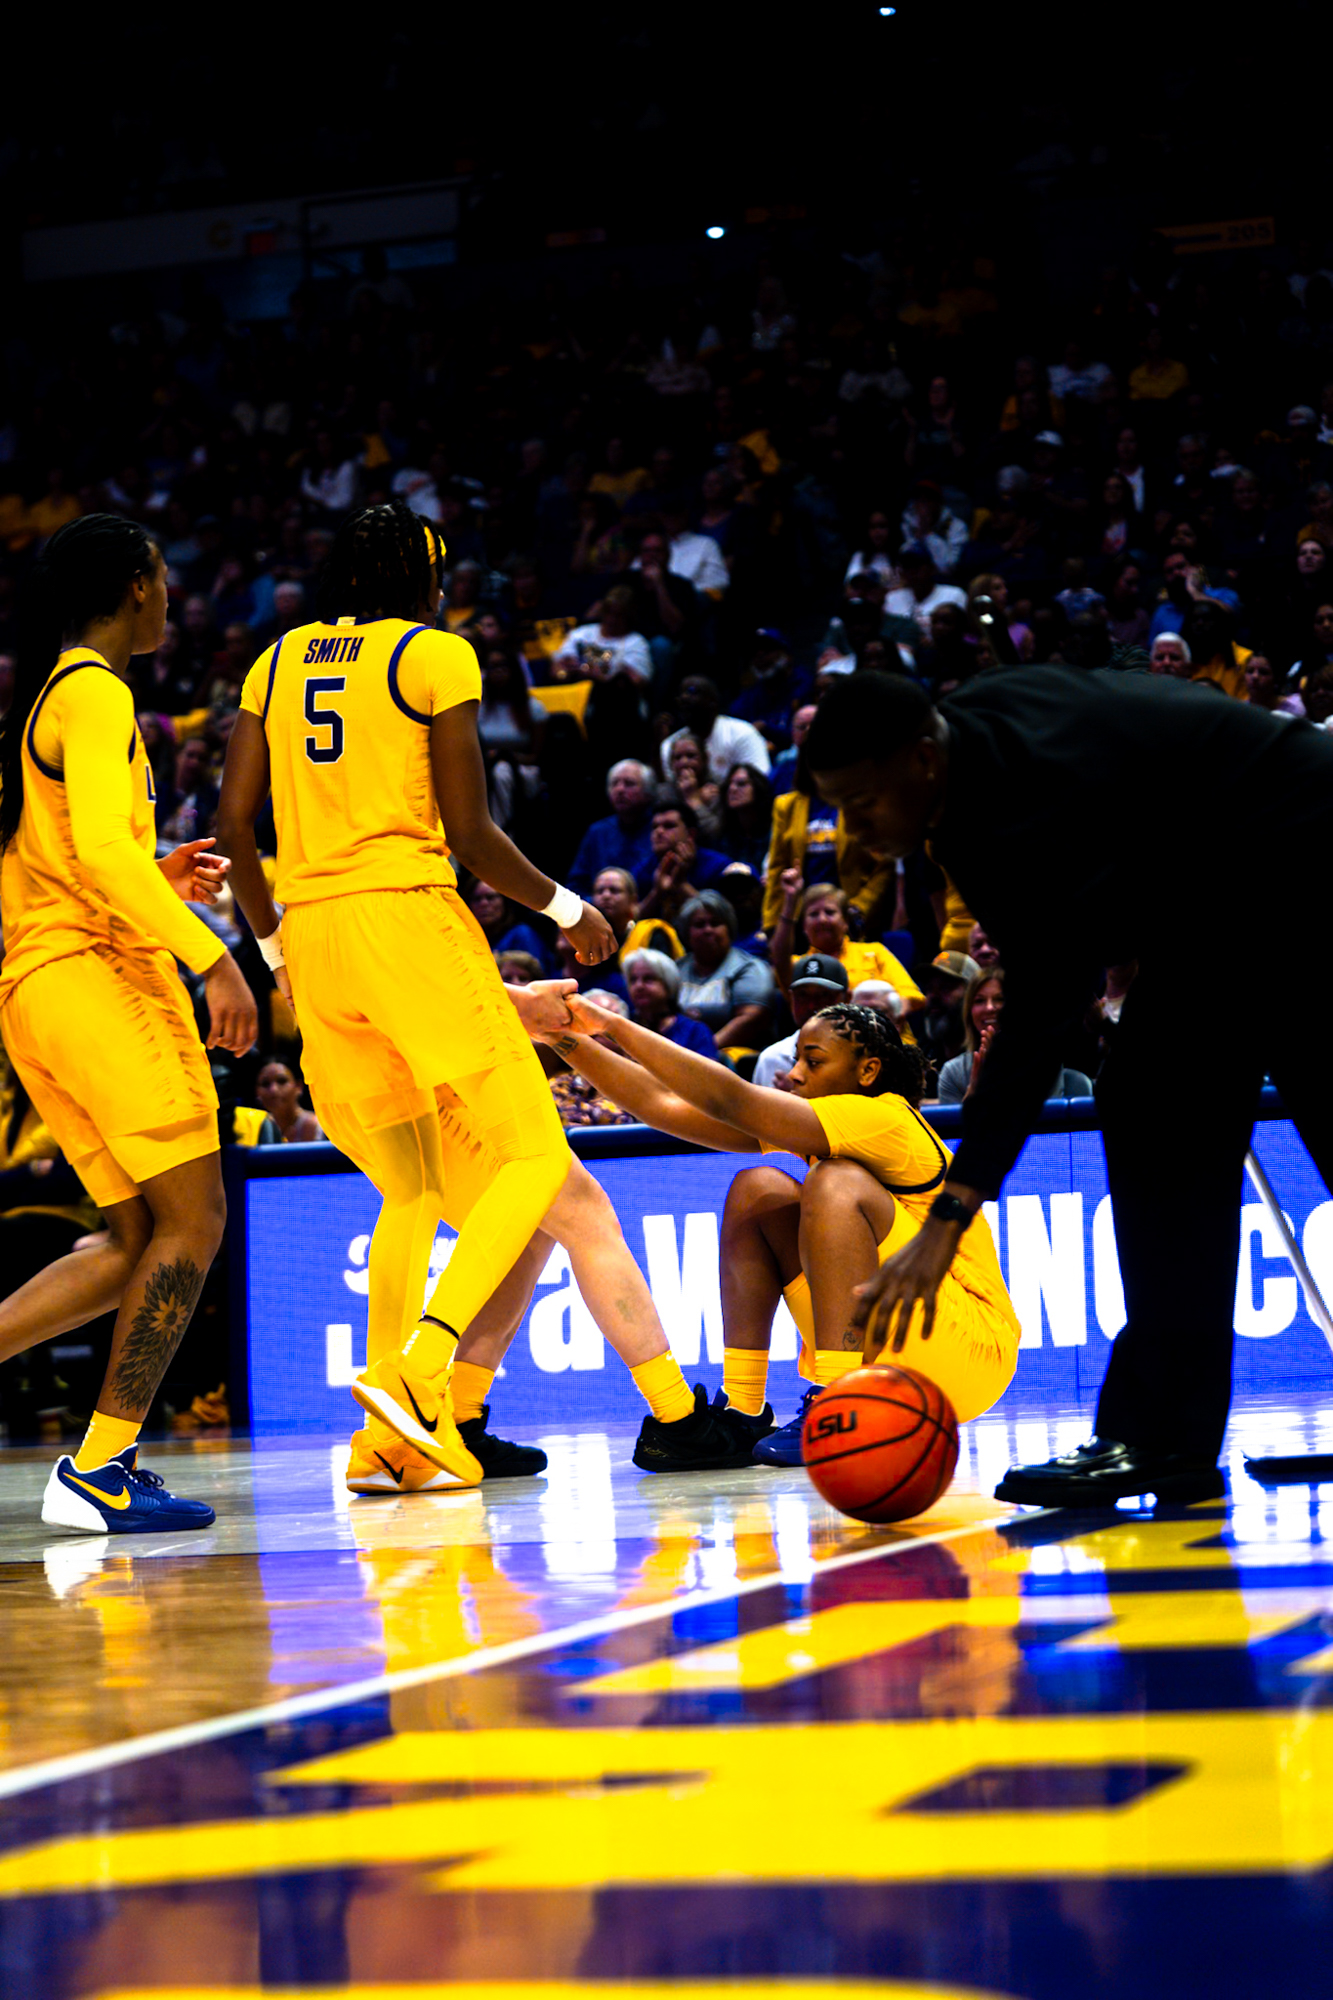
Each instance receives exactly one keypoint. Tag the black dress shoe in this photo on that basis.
(1101, 1472)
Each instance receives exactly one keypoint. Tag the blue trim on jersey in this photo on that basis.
(53, 771)
(272, 676)
(413, 715)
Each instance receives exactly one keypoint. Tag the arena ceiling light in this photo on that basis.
(715, 232)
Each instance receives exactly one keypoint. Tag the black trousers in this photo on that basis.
(1176, 1174)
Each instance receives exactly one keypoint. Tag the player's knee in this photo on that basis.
(754, 1189)
(832, 1183)
(581, 1203)
(130, 1227)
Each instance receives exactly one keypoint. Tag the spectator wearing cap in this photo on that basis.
(983, 1004)
(822, 914)
(928, 522)
(816, 981)
(921, 589)
(720, 985)
(727, 739)
(939, 1026)
(652, 980)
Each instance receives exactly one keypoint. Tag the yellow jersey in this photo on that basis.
(347, 709)
(891, 1139)
(80, 872)
(867, 960)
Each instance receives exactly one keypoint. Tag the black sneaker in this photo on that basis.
(497, 1457)
(742, 1424)
(702, 1442)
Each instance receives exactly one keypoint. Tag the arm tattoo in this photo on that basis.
(565, 1045)
(170, 1297)
(852, 1339)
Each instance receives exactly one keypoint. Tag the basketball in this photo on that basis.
(881, 1444)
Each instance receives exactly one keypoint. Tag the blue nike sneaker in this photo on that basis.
(783, 1446)
(118, 1498)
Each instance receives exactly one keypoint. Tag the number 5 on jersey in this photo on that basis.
(321, 719)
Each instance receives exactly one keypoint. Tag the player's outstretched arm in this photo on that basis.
(630, 1086)
(460, 787)
(770, 1117)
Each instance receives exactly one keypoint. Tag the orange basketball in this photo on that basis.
(881, 1444)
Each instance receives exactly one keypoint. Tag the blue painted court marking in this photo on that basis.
(58, 1770)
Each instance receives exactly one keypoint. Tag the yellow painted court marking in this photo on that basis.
(1140, 1544)
(584, 1989)
(1128, 1623)
(1256, 1794)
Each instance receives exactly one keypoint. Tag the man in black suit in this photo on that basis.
(1091, 819)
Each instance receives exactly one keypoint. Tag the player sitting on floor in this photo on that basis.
(875, 1165)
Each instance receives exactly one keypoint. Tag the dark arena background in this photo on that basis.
(734, 353)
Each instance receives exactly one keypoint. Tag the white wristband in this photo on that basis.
(565, 909)
(271, 949)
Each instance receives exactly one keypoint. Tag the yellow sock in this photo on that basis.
(832, 1363)
(104, 1437)
(430, 1347)
(663, 1388)
(745, 1378)
(469, 1385)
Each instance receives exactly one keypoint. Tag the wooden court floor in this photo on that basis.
(667, 1738)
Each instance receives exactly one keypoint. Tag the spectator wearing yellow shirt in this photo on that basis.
(1157, 377)
(616, 477)
(823, 916)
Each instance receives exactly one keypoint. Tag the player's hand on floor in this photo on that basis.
(196, 875)
(592, 937)
(885, 1307)
(543, 1005)
(233, 1019)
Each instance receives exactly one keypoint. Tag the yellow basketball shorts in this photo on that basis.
(973, 1348)
(109, 1052)
(396, 990)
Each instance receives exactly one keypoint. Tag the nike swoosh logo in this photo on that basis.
(417, 1408)
(120, 1501)
(396, 1477)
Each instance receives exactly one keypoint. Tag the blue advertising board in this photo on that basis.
(304, 1271)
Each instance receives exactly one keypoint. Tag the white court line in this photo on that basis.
(79, 1763)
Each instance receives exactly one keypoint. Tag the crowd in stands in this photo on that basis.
(672, 521)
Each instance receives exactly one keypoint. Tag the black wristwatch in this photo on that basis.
(948, 1208)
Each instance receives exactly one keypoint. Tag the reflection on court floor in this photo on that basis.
(670, 1738)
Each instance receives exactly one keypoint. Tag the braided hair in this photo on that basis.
(873, 1035)
(82, 575)
(381, 565)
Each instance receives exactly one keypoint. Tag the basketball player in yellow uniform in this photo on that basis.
(92, 1010)
(875, 1166)
(363, 725)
